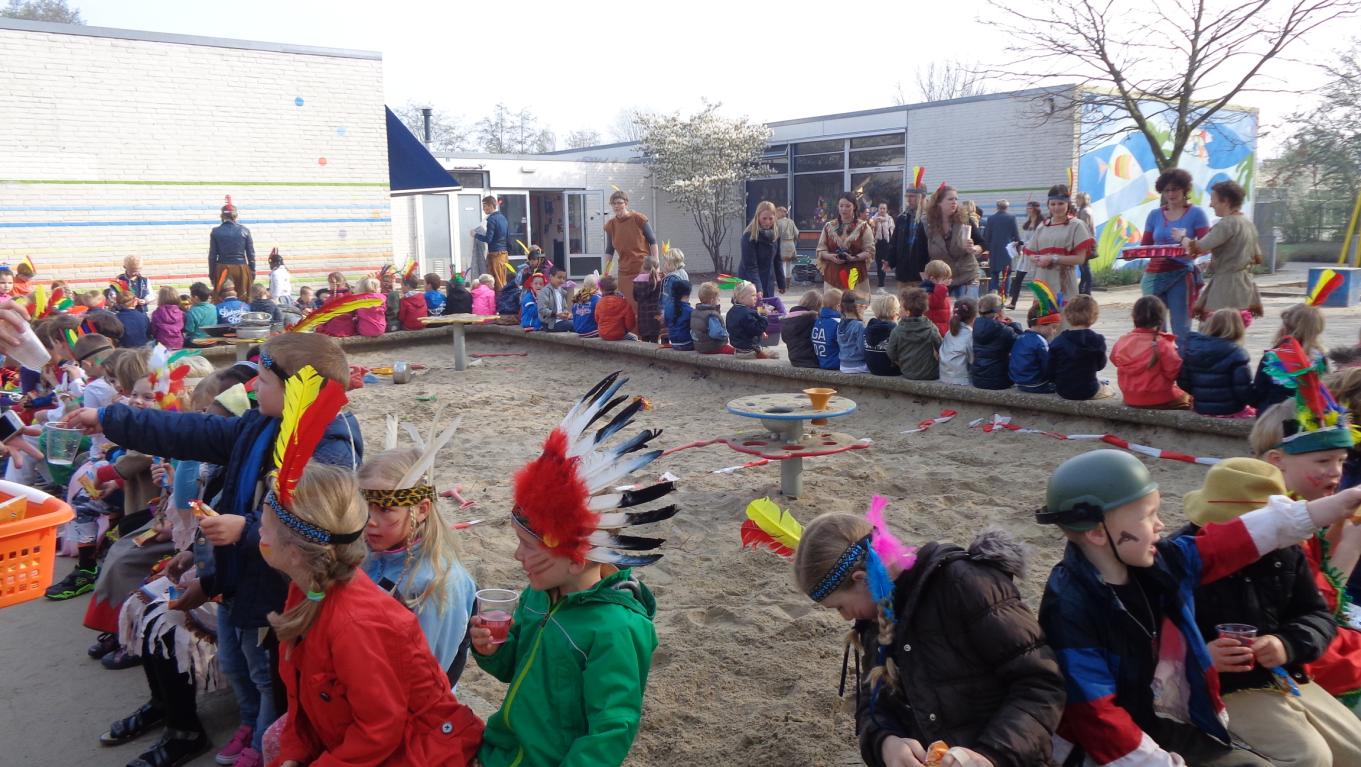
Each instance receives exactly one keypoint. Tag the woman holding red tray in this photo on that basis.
(1175, 280)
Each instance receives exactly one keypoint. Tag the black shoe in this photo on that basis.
(172, 751)
(142, 721)
(120, 659)
(80, 581)
(105, 644)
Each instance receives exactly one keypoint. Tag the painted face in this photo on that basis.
(619, 207)
(1134, 529)
(846, 209)
(854, 601)
(389, 526)
(766, 220)
(544, 569)
(269, 393)
(1058, 210)
(271, 537)
(950, 204)
(1310, 476)
(142, 395)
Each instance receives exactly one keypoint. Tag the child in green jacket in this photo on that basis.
(576, 686)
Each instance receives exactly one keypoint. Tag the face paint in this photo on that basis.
(1125, 537)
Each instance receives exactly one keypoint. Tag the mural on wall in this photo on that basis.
(1119, 173)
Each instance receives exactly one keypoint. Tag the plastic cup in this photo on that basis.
(62, 444)
(30, 352)
(496, 608)
(1178, 233)
(1242, 632)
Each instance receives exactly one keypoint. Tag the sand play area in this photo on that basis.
(747, 668)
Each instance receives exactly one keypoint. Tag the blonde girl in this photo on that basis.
(360, 690)
(1215, 368)
(942, 630)
(1304, 323)
(413, 555)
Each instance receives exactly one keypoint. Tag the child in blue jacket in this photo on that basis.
(747, 323)
(434, 297)
(824, 331)
(1029, 367)
(583, 309)
(678, 316)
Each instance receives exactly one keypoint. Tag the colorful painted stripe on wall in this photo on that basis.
(194, 222)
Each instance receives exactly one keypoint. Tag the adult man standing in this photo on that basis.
(904, 235)
(1000, 232)
(231, 252)
(631, 235)
(788, 233)
(497, 239)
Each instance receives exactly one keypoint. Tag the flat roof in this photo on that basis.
(23, 25)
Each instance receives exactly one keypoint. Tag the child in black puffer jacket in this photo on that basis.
(1215, 367)
(993, 337)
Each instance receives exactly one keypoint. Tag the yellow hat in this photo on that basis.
(1233, 487)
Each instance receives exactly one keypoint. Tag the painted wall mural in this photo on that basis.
(1119, 173)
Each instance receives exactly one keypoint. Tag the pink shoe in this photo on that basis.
(240, 742)
(249, 758)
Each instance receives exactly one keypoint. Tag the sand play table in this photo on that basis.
(787, 435)
(458, 322)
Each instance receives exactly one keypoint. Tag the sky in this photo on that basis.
(577, 65)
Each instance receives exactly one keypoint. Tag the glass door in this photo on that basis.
(515, 207)
(585, 247)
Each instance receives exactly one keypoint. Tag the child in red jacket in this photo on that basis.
(1147, 361)
(614, 314)
(413, 307)
(936, 283)
(360, 689)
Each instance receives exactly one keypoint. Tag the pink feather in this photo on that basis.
(885, 543)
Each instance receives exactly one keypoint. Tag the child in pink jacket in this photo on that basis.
(484, 296)
(1147, 362)
(373, 320)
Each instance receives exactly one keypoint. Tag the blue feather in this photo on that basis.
(879, 582)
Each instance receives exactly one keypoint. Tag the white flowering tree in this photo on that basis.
(703, 162)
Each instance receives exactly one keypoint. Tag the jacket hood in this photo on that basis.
(1208, 350)
(994, 547)
(986, 328)
(1085, 339)
(829, 313)
(1001, 549)
(621, 588)
(917, 328)
(172, 310)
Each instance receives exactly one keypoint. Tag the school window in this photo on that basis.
(815, 197)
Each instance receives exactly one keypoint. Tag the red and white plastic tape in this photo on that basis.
(945, 415)
(1002, 422)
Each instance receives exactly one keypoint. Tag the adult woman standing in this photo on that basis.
(846, 246)
(1175, 280)
(1034, 219)
(1233, 241)
(1082, 203)
(906, 270)
(883, 235)
(945, 234)
(760, 264)
(1060, 245)
(788, 233)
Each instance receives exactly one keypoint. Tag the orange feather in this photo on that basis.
(335, 307)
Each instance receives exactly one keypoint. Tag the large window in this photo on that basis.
(774, 189)
(881, 186)
(815, 198)
(823, 169)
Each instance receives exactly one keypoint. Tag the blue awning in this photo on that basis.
(411, 167)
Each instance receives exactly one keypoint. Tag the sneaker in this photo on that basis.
(104, 644)
(171, 751)
(231, 753)
(80, 581)
(250, 758)
(120, 659)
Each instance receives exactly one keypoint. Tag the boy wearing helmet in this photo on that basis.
(1119, 611)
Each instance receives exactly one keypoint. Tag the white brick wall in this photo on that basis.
(112, 147)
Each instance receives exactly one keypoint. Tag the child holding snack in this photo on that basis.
(747, 323)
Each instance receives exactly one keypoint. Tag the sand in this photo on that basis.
(747, 668)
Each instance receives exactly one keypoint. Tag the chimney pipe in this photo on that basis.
(425, 115)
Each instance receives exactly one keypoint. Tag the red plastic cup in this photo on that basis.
(496, 608)
(1242, 632)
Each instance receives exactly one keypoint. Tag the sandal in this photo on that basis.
(104, 644)
(171, 751)
(144, 719)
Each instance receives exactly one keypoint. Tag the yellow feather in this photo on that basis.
(300, 391)
(319, 317)
(39, 301)
(778, 524)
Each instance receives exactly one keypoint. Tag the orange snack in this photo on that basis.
(935, 754)
(202, 509)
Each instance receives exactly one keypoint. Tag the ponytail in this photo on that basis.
(966, 309)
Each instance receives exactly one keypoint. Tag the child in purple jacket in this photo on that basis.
(167, 322)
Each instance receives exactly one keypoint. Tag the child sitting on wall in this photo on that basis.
(706, 323)
(614, 317)
(1030, 368)
(167, 322)
(1215, 367)
(1147, 361)
(680, 311)
(747, 323)
(824, 331)
(885, 309)
(915, 343)
(484, 296)
(583, 308)
(413, 306)
(434, 299)
(994, 335)
(850, 335)
(956, 346)
(1079, 353)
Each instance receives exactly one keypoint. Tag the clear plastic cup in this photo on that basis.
(1244, 633)
(496, 608)
(30, 352)
(63, 445)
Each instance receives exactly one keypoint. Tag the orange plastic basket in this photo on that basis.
(28, 546)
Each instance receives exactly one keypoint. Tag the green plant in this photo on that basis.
(1106, 277)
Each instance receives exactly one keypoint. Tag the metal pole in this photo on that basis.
(791, 469)
(425, 115)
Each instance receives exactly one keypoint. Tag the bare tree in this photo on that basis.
(42, 10)
(1161, 67)
(580, 139)
(945, 80)
(628, 125)
(447, 132)
(513, 132)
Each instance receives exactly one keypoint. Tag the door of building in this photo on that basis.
(472, 255)
(515, 206)
(585, 245)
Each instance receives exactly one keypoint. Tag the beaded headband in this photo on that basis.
(404, 497)
(306, 529)
(268, 363)
(834, 577)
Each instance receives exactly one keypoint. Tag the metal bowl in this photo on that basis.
(401, 372)
(256, 318)
(252, 332)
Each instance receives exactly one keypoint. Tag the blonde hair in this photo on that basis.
(1225, 323)
(989, 303)
(167, 295)
(674, 259)
(1345, 385)
(754, 228)
(744, 287)
(1269, 429)
(1305, 323)
(831, 298)
(132, 261)
(327, 497)
(824, 540)
(211, 385)
(486, 279)
(129, 368)
(884, 307)
(437, 545)
(937, 270)
(586, 290)
(707, 293)
(368, 285)
(1082, 310)
(258, 290)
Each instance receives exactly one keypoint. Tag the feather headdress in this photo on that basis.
(411, 269)
(918, 179)
(167, 378)
(311, 403)
(26, 269)
(1050, 304)
(334, 307)
(1320, 422)
(1328, 281)
(57, 303)
(567, 497)
(768, 526)
(120, 288)
(416, 484)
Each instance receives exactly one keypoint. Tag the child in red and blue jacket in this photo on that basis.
(1119, 611)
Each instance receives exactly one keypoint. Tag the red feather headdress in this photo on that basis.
(411, 269)
(567, 499)
(334, 307)
(311, 403)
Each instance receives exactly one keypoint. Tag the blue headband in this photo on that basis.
(834, 577)
(306, 529)
(269, 364)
